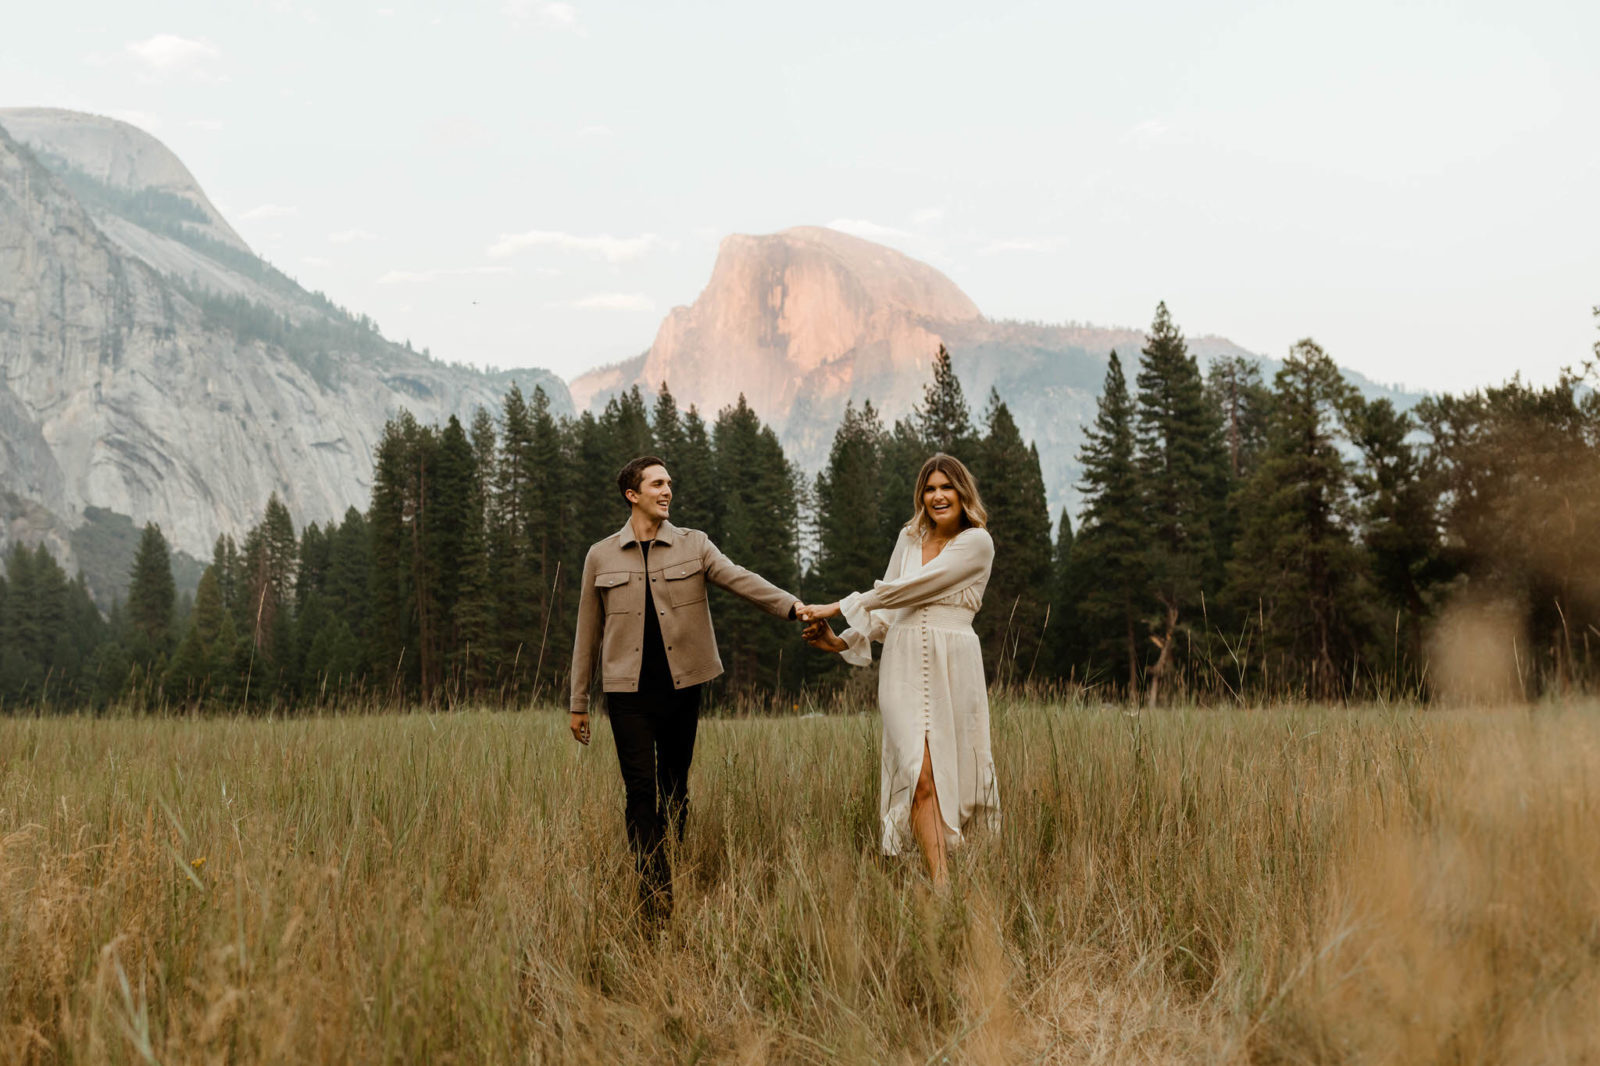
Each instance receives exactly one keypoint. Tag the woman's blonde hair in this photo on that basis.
(961, 479)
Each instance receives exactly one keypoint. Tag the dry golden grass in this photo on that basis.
(1292, 885)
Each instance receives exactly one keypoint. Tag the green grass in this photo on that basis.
(1287, 885)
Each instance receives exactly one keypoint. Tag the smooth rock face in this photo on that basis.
(807, 303)
(117, 390)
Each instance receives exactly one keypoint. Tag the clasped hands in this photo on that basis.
(817, 632)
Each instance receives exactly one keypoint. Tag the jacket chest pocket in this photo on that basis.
(684, 583)
(617, 591)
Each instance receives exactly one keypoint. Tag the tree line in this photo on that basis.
(1237, 539)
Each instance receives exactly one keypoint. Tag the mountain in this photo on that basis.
(803, 321)
(153, 367)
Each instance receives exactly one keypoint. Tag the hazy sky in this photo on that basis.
(516, 182)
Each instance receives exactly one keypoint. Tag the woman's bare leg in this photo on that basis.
(927, 824)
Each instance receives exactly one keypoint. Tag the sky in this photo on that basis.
(1415, 185)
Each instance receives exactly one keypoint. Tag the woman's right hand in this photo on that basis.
(821, 636)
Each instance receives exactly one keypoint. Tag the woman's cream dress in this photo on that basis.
(931, 681)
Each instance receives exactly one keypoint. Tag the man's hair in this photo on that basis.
(631, 476)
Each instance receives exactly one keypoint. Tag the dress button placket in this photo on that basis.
(927, 653)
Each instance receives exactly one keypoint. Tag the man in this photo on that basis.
(642, 611)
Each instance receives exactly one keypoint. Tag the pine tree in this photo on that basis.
(850, 551)
(626, 424)
(1181, 481)
(694, 478)
(449, 501)
(666, 425)
(1236, 392)
(150, 598)
(225, 561)
(393, 644)
(270, 562)
(515, 580)
(904, 452)
(188, 676)
(1065, 591)
(597, 510)
(1296, 565)
(26, 634)
(1111, 544)
(477, 658)
(549, 529)
(1400, 521)
(943, 420)
(758, 519)
(426, 583)
(1012, 487)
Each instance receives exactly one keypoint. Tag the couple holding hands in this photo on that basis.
(644, 616)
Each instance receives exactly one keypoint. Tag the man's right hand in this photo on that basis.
(817, 612)
(579, 723)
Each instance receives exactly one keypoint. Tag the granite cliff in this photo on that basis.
(152, 366)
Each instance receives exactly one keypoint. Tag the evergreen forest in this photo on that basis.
(1239, 540)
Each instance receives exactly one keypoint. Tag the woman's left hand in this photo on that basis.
(817, 612)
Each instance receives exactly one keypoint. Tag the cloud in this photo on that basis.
(316, 261)
(861, 227)
(1150, 131)
(1019, 244)
(408, 277)
(615, 301)
(457, 131)
(611, 249)
(210, 124)
(545, 15)
(166, 55)
(268, 211)
(350, 236)
(595, 131)
(928, 216)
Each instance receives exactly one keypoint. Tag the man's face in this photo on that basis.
(654, 495)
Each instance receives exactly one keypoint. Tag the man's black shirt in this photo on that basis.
(654, 673)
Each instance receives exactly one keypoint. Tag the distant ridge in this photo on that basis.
(803, 321)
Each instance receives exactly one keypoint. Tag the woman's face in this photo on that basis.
(942, 502)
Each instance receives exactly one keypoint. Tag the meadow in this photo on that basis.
(1295, 884)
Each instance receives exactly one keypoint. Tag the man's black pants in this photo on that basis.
(655, 733)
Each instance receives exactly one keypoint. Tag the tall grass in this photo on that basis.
(1293, 885)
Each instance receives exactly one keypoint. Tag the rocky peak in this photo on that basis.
(783, 306)
(116, 155)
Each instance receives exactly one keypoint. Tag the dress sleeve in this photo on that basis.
(964, 561)
(868, 626)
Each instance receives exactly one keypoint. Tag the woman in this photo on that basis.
(938, 774)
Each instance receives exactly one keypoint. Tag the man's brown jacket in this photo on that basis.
(611, 608)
